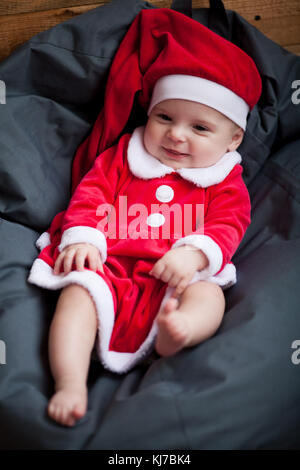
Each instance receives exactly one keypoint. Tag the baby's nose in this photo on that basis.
(176, 133)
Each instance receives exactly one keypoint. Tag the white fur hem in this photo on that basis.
(41, 274)
(84, 234)
(210, 248)
(43, 241)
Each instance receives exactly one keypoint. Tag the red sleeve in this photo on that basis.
(228, 213)
(99, 186)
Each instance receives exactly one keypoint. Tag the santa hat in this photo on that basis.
(200, 65)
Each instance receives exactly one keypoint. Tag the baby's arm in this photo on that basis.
(94, 196)
(178, 266)
(79, 254)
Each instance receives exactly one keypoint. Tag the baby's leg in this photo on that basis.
(72, 336)
(194, 318)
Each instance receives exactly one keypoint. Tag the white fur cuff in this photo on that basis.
(84, 234)
(43, 241)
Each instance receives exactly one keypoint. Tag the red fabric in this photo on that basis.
(137, 295)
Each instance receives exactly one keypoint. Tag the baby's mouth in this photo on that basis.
(174, 153)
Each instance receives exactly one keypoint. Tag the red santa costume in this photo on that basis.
(132, 206)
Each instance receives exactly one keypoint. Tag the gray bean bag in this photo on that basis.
(238, 390)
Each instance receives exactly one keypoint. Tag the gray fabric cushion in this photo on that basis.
(239, 389)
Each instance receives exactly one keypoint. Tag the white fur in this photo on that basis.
(201, 90)
(225, 278)
(43, 241)
(84, 234)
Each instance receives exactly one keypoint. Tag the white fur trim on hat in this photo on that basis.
(209, 93)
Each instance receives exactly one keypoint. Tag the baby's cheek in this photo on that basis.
(147, 142)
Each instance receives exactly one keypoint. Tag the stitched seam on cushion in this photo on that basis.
(70, 50)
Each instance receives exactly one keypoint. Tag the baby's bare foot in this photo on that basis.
(174, 329)
(68, 404)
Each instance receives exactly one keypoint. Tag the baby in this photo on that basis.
(130, 290)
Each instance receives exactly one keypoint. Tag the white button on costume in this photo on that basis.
(164, 193)
(155, 220)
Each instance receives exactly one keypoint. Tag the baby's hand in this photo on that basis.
(78, 253)
(178, 266)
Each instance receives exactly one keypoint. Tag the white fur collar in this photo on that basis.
(145, 166)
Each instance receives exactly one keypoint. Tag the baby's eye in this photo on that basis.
(198, 127)
(164, 117)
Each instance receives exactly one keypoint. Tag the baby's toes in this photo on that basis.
(69, 419)
(178, 328)
(170, 305)
(78, 411)
(54, 410)
(66, 418)
(58, 413)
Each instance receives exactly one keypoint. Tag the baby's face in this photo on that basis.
(186, 134)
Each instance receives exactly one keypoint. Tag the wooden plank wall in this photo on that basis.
(20, 20)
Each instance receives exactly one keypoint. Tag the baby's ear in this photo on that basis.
(236, 139)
